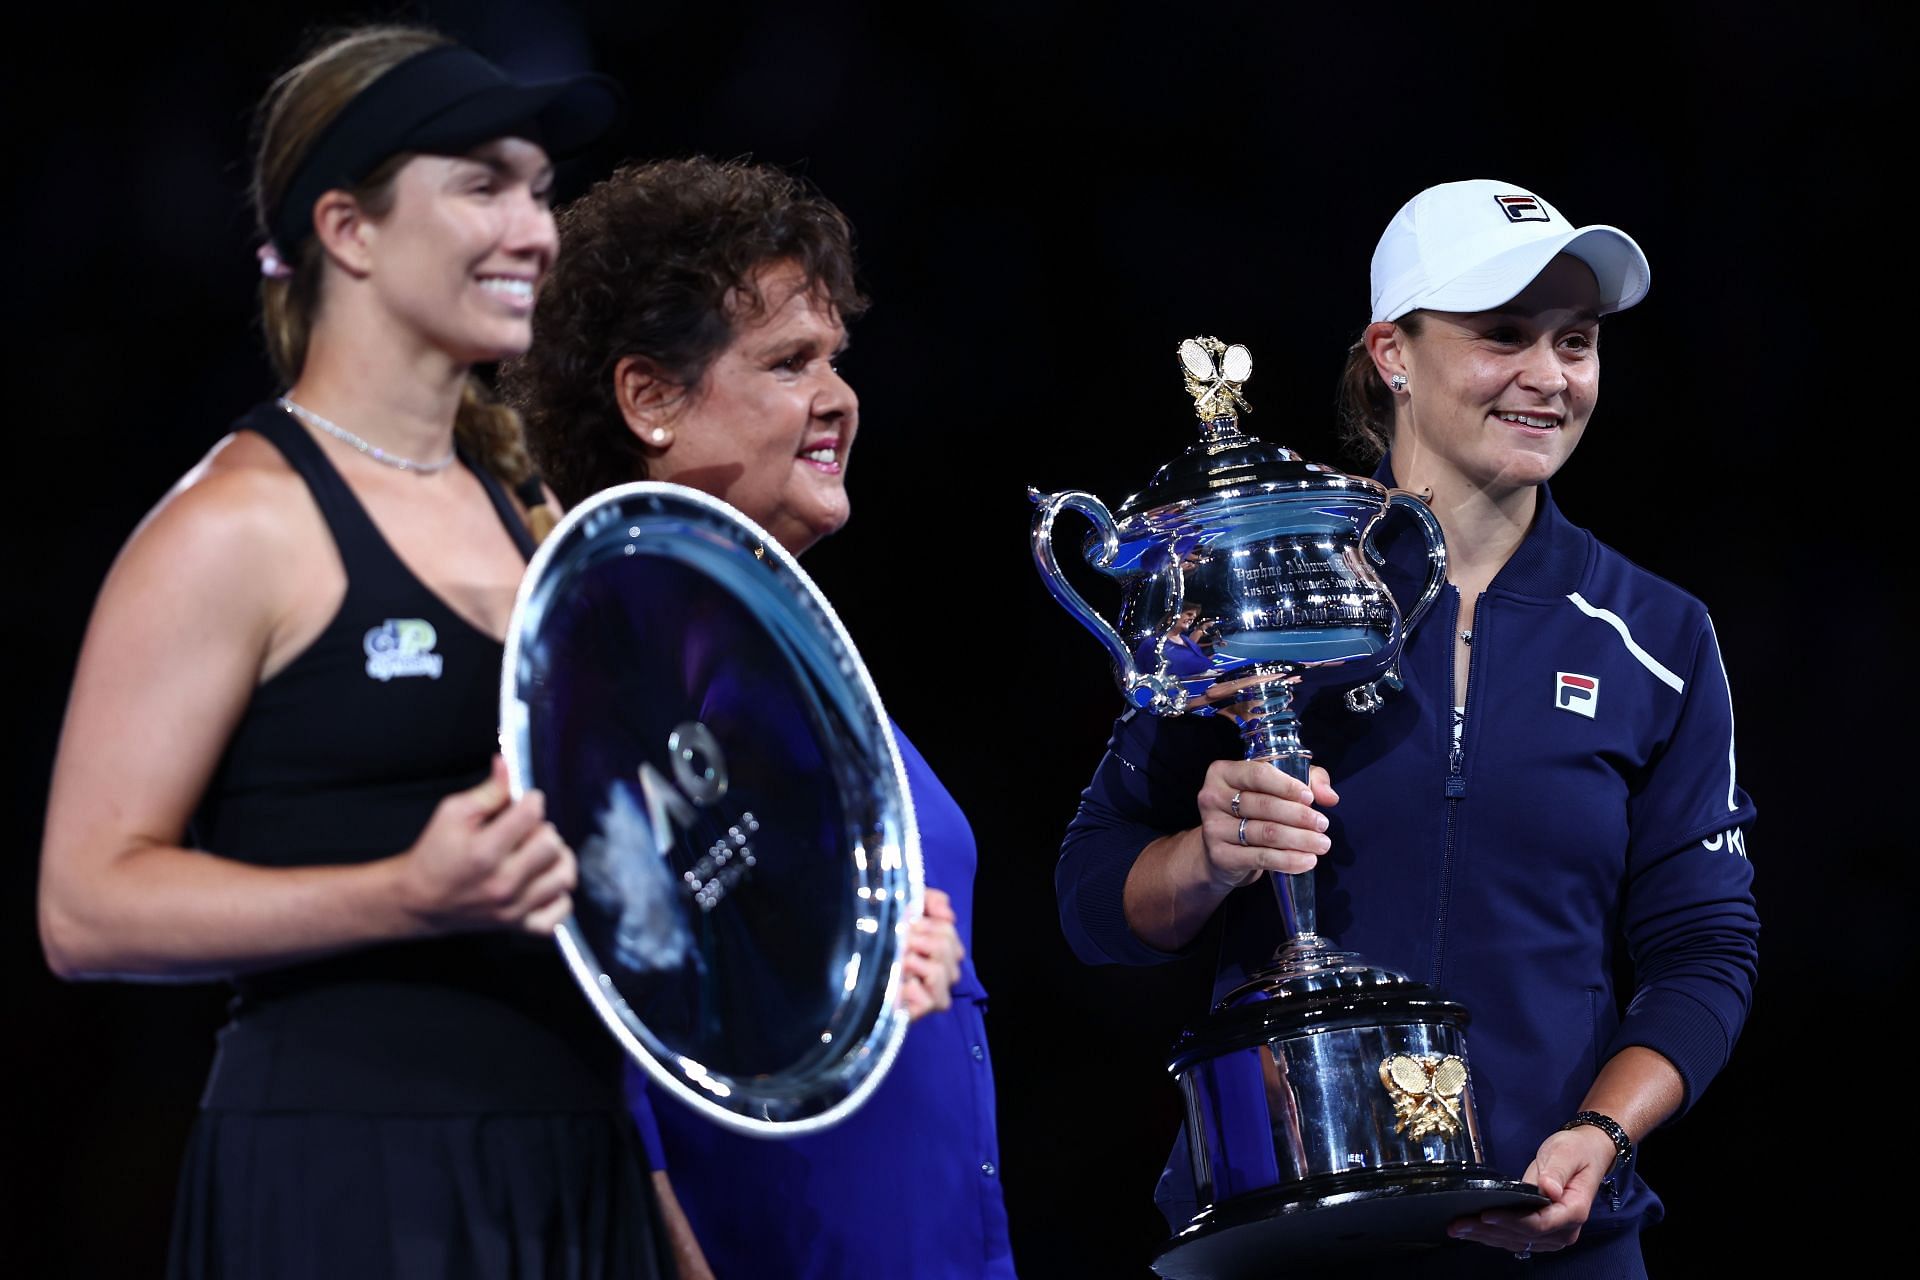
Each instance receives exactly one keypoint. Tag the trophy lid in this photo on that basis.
(1225, 457)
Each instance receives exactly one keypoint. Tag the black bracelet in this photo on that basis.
(1622, 1144)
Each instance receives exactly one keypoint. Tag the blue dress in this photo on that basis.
(908, 1187)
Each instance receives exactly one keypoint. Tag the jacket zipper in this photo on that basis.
(1456, 786)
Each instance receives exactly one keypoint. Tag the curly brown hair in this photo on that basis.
(659, 261)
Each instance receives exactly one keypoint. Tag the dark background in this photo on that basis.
(1048, 199)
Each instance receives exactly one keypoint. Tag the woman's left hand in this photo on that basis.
(1568, 1170)
(933, 958)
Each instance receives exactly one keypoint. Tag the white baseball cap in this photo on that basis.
(1470, 246)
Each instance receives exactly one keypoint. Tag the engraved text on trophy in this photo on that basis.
(1306, 581)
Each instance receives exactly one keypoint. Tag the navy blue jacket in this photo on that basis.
(1589, 816)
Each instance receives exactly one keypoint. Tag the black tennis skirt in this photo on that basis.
(349, 1196)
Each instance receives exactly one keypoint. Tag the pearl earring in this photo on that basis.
(1398, 382)
(659, 435)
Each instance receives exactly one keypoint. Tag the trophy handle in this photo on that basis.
(1436, 549)
(1141, 690)
(1365, 699)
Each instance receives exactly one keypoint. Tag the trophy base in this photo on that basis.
(1346, 1217)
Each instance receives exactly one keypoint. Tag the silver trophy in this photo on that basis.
(1329, 1105)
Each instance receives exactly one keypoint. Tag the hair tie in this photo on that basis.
(272, 265)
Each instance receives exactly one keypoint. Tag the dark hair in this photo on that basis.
(299, 105)
(1365, 404)
(658, 261)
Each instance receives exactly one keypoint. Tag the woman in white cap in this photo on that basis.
(278, 761)
(1552, 794)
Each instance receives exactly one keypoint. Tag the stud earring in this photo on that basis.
(1398, 382)
(659, 435)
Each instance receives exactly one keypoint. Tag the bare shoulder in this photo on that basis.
(231, 528)
(242, 498)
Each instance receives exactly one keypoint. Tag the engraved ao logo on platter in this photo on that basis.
(728, 859)
(402, 647)
(627, 865)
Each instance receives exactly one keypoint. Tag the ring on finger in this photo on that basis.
(1243, 831)
(1526, 1252)
(1233, 806)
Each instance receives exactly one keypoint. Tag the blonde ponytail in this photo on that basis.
(492, 436)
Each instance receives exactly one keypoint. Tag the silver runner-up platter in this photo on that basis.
(1329, 1104)
(712, 748)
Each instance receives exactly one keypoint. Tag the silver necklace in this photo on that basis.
(373, 451)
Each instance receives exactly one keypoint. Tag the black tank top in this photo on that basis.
(340, 758)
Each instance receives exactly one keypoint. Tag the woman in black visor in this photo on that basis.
(278, 762)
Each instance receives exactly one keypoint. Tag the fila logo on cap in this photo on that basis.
(1576, 693)
(1522, 208)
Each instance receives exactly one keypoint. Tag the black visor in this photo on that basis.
(444, 101)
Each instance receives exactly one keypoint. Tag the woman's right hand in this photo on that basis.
(1275, 812)
(1178, 881)
(486, 861)
(933, 955)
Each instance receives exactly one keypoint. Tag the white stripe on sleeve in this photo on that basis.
(1732, 773)
(1645, 659)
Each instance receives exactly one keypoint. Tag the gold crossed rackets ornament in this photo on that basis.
(1215, 372)
(1423, 1090)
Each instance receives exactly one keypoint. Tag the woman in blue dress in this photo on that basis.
(689, 334)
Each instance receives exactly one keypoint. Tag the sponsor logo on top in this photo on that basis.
(1733, 838)
(1522, 208)
(401, 647)
(1576, 693)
